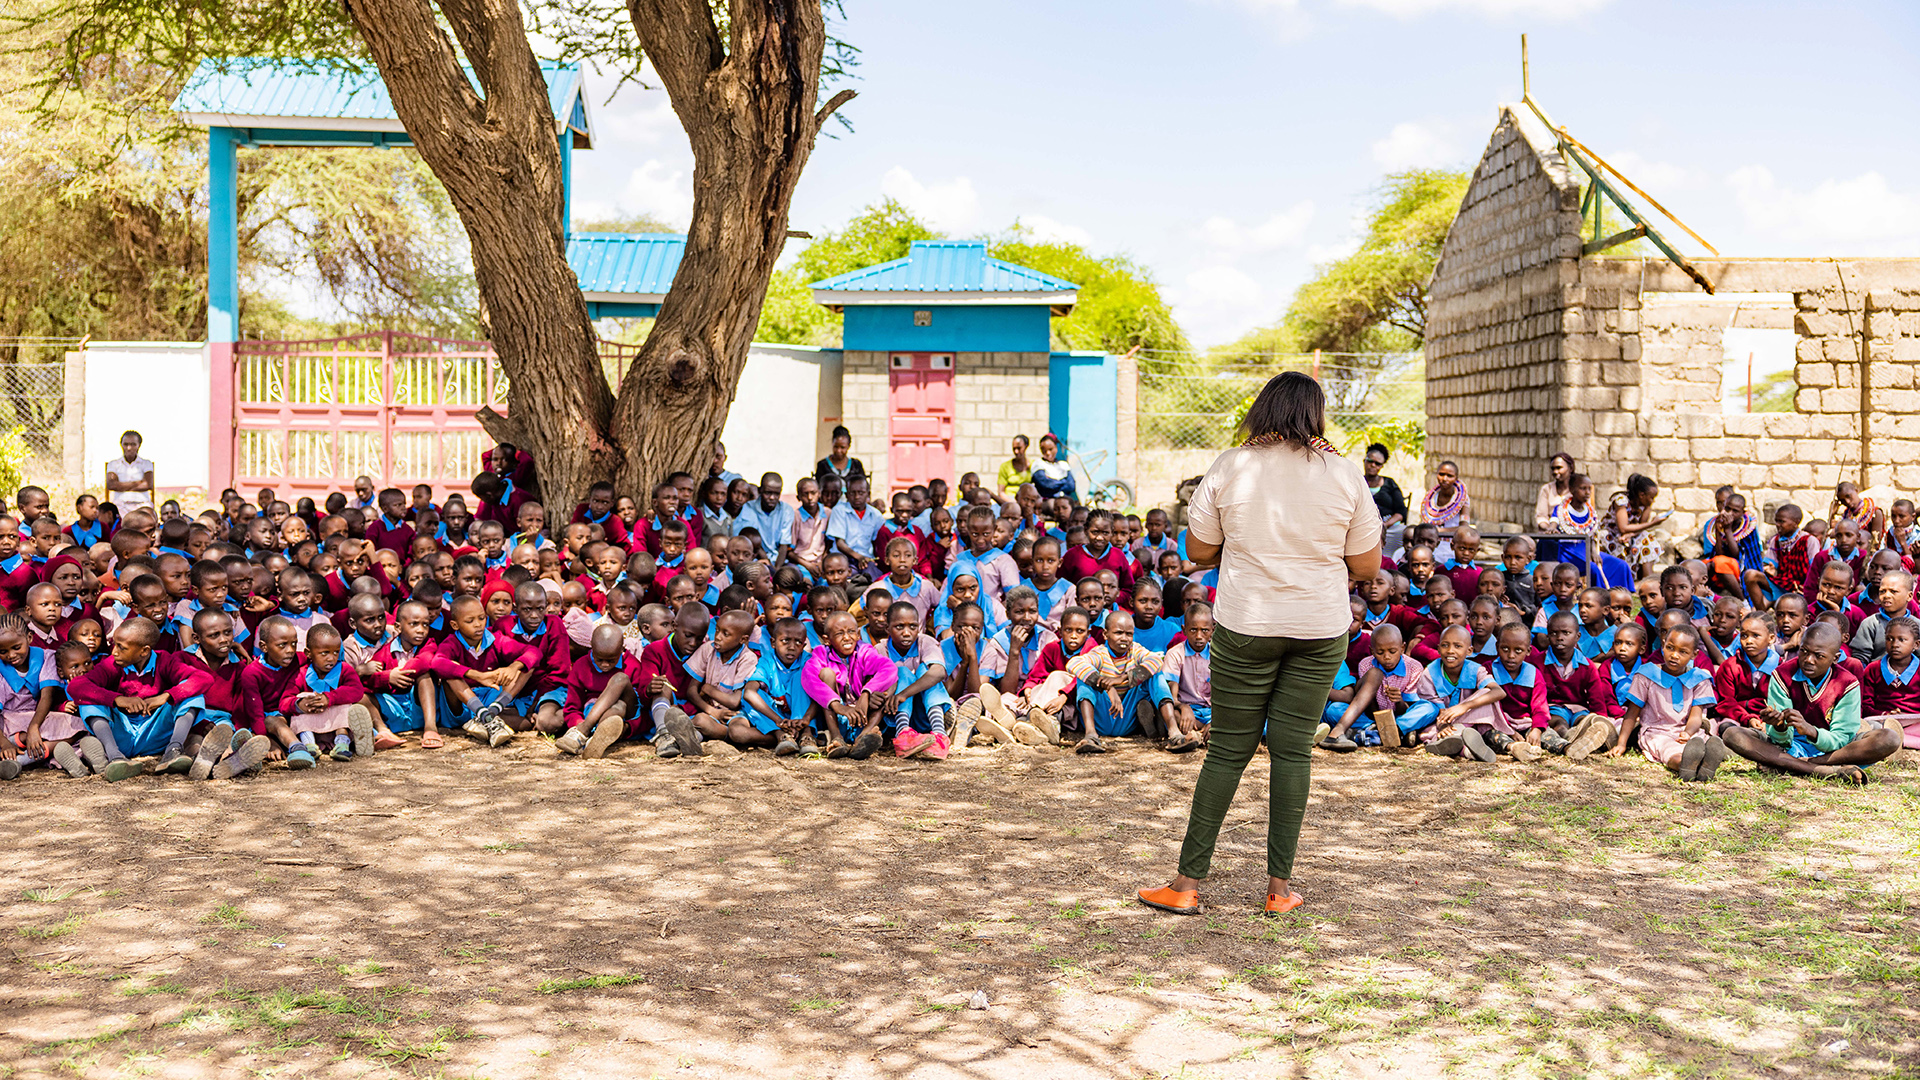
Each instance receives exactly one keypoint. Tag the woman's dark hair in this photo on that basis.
(1291, 408)
(840, 431)
(1381, 449)
(1639, 484)
(1566, 457)
(1022, 440)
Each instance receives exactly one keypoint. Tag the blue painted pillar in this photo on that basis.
(566, 182)
(223, 299)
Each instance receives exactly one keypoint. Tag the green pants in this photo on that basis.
(1273, 685)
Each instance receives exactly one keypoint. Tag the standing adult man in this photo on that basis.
(130, 477)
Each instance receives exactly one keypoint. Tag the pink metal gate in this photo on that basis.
(309, 416)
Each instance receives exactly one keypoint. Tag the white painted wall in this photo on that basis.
(158, 388)
(775, 420)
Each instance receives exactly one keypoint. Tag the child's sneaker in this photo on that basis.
(1028, 735)
(940, 749)
(65, 756)
(1522, 750)
(127, 768)
(665, 746)
(360, 726)
(1389, 730)
(245, 758)
(1045, 725)
(910, 743)
(680, 729)
(1446, 746)
(1594, 733)
(1476, 744)
(175, 760)
(1710, 761)
(300, 756)
(1554, 743)
(574, 741)
(9, 768)
(92, 752)
(342, 748)
(612, 725)
(786, 747)
(498, 733)
(864, 746)
(808, 748)
(966, 716)
(216, 743)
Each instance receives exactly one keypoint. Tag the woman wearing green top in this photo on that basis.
(1016, 472)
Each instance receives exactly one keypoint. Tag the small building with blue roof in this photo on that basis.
(947, 355)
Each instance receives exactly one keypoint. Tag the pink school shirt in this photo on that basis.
(729, 673)
(830, 677)
(1409, 678)
(1191, 672)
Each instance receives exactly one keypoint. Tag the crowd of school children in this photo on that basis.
(1796, 651)
(719, 616)
(702, 616)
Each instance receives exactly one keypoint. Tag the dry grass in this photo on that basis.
(471, 913)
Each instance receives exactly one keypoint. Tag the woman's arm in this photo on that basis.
(1361, 567)
(1543, 506)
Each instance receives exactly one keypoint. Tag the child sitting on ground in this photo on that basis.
(775, 701)
(600, 694)
(481, 673)
(917, 706)
(1188, 668)
(1467, 696)
(664, 682)
(1740, 681)
(327, 700)
(1119, 688)
(848, 680)
(1392, 692)
(1668, 703)
(720, 669)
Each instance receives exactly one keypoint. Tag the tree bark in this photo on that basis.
(748, 107)
(499, 158)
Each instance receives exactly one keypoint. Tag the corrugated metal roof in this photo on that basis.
(293, 90)
(961, 266)
(626, 264)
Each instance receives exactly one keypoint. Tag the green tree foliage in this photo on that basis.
(1119, 308)
(103, 222)
(627, 223)
(1374, 300)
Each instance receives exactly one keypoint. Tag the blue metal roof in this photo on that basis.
(286, 93)
(611, 265)
(956, 266)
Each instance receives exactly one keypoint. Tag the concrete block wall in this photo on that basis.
(1497, 316)
(996, 395)
(1532, 348)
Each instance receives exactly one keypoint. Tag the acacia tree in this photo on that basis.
(743, 76)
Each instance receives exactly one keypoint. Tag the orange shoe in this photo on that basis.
(1180, 903)
(1280, 905)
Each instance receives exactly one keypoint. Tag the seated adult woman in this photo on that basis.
(1446, 505)
(840, 461)
(1387, 497)
(1053, 477)
(1016, 471)
(1555, 491)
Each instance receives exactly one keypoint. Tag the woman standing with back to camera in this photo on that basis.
(1290, 523)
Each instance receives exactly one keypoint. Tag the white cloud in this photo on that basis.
(1047, 230)
(1658, 176)
(1281, 230)
(1414, 146)
(656, 189)
(1861, 216)
(643, 118)
(1217, 303)
(1541, 9)
(952, 206)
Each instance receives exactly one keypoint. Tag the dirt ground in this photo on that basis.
(509, 914)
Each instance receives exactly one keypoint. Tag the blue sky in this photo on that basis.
(1228, 145)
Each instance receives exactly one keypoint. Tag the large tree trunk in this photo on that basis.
(747, 105)
(499, 159)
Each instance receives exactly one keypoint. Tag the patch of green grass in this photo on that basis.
(814, 1004)
(89, 1042)
(382, 1044)
(939, 1006)
(504, 846)
(1077, 910)
(47, 896)
(229, 916)
(60, 929)
(590, 982)
(153, 988)
(473, 953)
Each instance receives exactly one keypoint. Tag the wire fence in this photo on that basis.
(33, 402)
(1189, 410)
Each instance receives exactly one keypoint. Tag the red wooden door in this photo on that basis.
(920, 407)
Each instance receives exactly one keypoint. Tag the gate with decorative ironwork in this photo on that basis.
(309, 416)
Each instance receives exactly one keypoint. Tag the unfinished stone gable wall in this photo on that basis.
(1495, 320)
(1532, 349)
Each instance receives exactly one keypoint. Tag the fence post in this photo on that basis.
(73, 420)
(1127, 426)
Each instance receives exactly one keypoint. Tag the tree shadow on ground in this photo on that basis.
(508, 914)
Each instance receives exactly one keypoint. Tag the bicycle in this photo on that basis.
(1111, 494)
